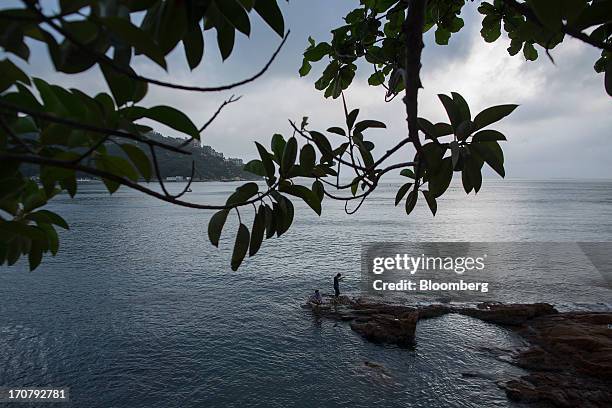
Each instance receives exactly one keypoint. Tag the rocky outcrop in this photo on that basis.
(569, 357)
(396, 324)
(388, 328)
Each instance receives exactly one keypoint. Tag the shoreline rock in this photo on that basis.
(569, 357)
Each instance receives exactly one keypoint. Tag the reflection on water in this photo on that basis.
(138, 310)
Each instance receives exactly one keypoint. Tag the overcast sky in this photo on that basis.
(561, 129)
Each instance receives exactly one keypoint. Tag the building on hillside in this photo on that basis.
(211, 152)
(235, 161)
(175, 178)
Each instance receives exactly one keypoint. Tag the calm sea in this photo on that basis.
(139, 310)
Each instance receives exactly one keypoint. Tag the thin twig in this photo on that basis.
(232, 99)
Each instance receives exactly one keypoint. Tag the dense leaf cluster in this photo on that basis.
(66, 132)
(373, 32)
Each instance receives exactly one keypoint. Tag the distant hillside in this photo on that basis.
(209, 164)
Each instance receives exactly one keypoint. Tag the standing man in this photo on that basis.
(337, 280)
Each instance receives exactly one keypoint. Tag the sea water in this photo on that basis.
(139, 310)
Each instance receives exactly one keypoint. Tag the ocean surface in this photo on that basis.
(139, 310)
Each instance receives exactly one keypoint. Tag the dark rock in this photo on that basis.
(508, 315)
(385, 328)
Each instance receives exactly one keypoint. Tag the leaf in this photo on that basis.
(492, 154)
(271, 14)
(305, 194)
(488, 136)
(102, 163)
(140, 160)
(52, 238)
(377, 78)
(243, 193)
(515, 46)
(439, 181)
(256, 167)
(305, 68)
(278, 147)
(451, 110)
(464, 130)
(35, 254)
(235, 14)
(173, 118)
(407, 173)
(443, 129)
(351, 118)
(411, 201)
(454, 147)
(462, 107)
(529, 51)
(548, 12)
(215, 226)
(466, 181)
(193, 43)
(322, 143)
(289, 155)
(225, 39)
(270, 222)
(136, 37)
(442, 36)
(282, 212)
(11, 74)
(266, 160)
(402, 192)
(471, 175)
(492, 115)
(427, 127)
(84, 31)
(433, 156)
(307, 158)
(314, 54)
(337, 130)
(491, 28)
(257, 232)
(124, 88)
(118, 166)
(365, 124)
(354, 186)
(431, 202)
(318, 189)
(241, 246)
(48, 217)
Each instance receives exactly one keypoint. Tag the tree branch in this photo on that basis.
(102, 58)
(124, 181)
(413, 35)
(106, 131)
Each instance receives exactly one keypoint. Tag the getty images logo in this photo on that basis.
(412, 264)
